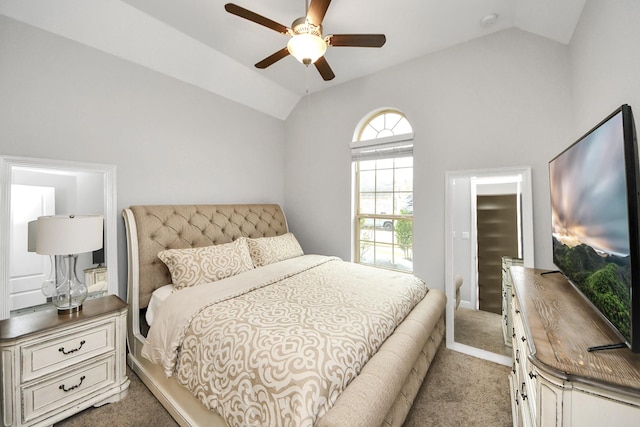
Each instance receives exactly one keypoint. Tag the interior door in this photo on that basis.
(497, 236)
(27, 270)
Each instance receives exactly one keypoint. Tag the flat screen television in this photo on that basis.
(594, 210)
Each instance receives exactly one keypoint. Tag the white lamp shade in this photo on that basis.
(306, 48)
(68, 234)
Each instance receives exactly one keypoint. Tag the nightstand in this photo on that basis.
(54, 366)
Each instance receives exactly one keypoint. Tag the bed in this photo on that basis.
(372, 380)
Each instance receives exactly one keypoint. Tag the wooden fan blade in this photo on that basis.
(254, 17)
(272, 59)
(324, 69)
(357, 40)
(317, 10)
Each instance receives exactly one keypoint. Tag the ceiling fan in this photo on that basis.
(307, 44)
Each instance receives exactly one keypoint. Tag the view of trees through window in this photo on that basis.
(384, 202)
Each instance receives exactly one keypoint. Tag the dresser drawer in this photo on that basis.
(66, 349)
(47, 396)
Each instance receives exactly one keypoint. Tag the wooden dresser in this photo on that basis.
(54, 366)
(555, 381)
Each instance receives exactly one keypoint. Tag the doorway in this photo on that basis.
(497, 236)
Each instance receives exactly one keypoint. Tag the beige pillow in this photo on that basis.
(267, 250)
(193, 266)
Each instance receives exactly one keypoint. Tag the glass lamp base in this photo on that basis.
(69, 310)
(71, 293)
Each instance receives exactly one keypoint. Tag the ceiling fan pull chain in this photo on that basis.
(306, 78)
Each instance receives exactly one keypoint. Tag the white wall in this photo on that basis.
(170, 142)
(462, 250)
(500, 101)
(510, 99)
(605, 62)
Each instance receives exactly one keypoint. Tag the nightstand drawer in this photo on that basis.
(47, 396)
(67, 349)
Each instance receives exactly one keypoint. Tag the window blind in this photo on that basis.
(388, 147)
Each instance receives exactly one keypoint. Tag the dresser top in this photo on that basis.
(48, 318)
(563, 326)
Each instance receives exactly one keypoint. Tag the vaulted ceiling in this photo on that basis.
(198, 42)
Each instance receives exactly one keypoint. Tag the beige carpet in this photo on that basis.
(459, 390)
(480, 329)
(462, 391)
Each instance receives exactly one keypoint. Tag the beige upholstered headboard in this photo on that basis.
(154, 228)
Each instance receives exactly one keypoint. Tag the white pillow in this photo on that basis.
(157, 298)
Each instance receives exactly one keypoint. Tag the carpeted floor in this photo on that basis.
(462, 390)
(459, 390)
(480, 329)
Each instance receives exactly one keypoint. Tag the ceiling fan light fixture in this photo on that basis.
(307, 48)
(306, 43)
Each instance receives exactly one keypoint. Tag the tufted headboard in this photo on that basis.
(154, 228)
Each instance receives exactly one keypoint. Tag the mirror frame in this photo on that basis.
(528, 248)
(7, 165)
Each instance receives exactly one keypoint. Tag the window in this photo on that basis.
(383, 174)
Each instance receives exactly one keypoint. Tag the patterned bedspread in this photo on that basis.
(277, 345)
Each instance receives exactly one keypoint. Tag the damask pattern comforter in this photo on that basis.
(277, 345)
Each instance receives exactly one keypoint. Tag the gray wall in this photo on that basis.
(171, 142)
(503, 100)
(605, 62)
(509, 99)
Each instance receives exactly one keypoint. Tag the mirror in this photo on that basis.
(475, 198)
(32, 187)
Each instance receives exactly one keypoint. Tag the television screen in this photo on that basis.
(594, 210)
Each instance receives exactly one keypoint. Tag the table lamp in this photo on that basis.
(69, 235)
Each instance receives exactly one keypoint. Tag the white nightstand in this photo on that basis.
(54, 366)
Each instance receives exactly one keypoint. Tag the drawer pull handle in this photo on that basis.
(523, 338)
(532, 375)
(63, 388)
(73, 350)
(522, 393)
